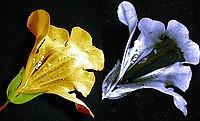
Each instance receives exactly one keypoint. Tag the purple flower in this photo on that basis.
(159, 59)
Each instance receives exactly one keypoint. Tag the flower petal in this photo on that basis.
(126, 60)
(150, 32)
(179, 101)
(38, 23)
(63, 92)
(58, 34)
(58, 64)
(151, 29)
(83, 40)
(80, 37)
(180, 34)
(191, 52)
(176, 74)
(127, 15)
(123, 90)
(55, 64)
(110, 81)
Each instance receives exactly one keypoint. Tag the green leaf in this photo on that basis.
(22, 97)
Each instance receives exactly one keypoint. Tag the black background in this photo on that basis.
(99, 18)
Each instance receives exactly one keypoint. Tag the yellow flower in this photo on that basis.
(59, 63)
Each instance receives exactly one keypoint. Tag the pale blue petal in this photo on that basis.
(126, 60)
(123, 90)
(191, 52)
(110, 81)
(137, 53)
(131, 56)
(179, 101)
(151, 30)
(179, 33)
(127, 15)
(176, 74)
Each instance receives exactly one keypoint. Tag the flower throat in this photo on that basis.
(165, 53)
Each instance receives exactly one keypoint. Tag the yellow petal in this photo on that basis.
(58, 63)
(38, 23)
(58, 34)
(80, 38)
(80, 105)
(83, 41)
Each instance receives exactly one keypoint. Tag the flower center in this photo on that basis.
(165, 53)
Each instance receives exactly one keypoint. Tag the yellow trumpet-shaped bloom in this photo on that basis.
(59, 63)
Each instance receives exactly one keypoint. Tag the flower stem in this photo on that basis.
(3, 106)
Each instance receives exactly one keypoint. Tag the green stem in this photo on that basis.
(3, 106)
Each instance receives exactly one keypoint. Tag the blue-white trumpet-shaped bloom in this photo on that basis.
(159, 59)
